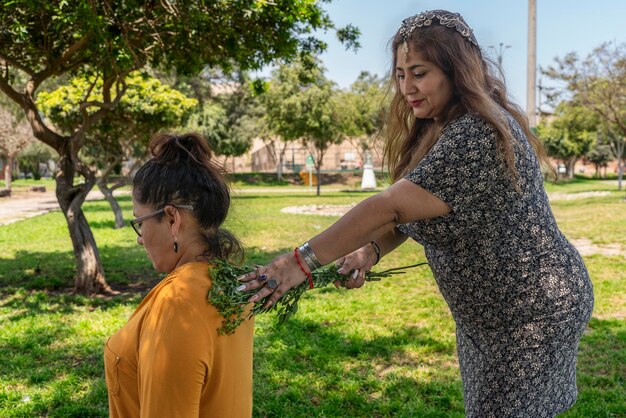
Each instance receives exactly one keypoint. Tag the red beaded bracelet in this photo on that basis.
(308, 274)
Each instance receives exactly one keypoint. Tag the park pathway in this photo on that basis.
(26, 204)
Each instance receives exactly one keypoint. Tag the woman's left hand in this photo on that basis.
(274, 279)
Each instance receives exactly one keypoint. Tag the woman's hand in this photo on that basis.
(357, 263)
(274, 279)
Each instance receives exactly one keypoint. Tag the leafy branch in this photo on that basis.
(234, 305)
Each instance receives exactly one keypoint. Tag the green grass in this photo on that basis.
(581, 184)
(385, 350)
(27, 183)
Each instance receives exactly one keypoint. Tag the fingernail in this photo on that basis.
(269, 303)
(253, 299)
(240, 278)
(241, 288)
(341, 270)
(355, 274)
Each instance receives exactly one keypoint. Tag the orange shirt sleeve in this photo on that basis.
(175, 352)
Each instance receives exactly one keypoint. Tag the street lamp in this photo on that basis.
(500, 52)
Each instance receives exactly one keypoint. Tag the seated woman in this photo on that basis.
(169, 360)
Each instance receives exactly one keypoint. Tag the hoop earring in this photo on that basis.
(175, 246)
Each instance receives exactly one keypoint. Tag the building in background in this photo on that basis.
(340, 157)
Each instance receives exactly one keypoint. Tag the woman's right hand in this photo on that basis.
(356, 264)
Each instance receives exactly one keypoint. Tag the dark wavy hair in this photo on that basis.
(181, 172)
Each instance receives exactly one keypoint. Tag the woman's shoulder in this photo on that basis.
(189, 282)
(468, 123)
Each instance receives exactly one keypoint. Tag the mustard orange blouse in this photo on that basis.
(170, 361)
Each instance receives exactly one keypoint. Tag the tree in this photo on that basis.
(570, 133)
(14, 137)
(301, 104)
(599, 156)
(363, 105)
(123, 134)
(599, 83)
(109, 40)
(323, 123)
(280, 113)
(230, 120)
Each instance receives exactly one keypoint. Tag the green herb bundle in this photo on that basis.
(233, 305)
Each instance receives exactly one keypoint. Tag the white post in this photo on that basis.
(368, 182)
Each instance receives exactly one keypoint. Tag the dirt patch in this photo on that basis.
(575, 196)
(586, 247)
(321, 210)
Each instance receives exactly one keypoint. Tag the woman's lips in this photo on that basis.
(415, 103)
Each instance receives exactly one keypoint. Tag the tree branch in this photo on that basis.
(40, 130)
(16, 64)
(55, 66)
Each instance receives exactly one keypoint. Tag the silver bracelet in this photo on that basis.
(309, 256)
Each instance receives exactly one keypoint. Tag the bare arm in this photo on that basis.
(376, 216)
(359, 262)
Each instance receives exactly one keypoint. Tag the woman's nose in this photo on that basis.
(140, 240)
(409, 86)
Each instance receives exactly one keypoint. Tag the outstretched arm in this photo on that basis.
(359, 262)
(376, 216)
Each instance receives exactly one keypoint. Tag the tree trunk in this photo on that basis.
(279, 166)
(115, 207)
(8, 172)
(570, 168)
(318, 171)
(620, 173)
(89, 278)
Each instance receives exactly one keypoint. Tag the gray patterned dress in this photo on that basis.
(519, 292)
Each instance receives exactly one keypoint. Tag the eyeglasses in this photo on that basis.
(136, 223)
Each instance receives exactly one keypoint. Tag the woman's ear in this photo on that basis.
(174, 219)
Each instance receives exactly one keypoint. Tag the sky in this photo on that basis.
(563, 26)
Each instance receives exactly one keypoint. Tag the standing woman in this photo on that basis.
(168, 360)
(467, 184)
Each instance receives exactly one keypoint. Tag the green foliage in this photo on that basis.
(188, 35)
(301, 103)
(599, 155)
(364, 102)
(232, 119)
(232, 304)
(147, 107)
(597, 82)
(569, 135)
(147, 102)
(33, 154)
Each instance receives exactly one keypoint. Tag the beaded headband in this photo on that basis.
(443, 18)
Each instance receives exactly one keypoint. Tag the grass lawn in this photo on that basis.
(385, 350)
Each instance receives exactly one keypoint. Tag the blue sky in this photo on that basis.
(562, 26)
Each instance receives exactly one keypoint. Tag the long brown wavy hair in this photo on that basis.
(478, 87)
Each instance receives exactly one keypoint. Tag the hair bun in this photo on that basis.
(184, 148)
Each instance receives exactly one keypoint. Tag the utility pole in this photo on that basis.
(531, 84)
(499, 52)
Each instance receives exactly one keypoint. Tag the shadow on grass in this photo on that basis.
(311, 369)
(601, 370)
